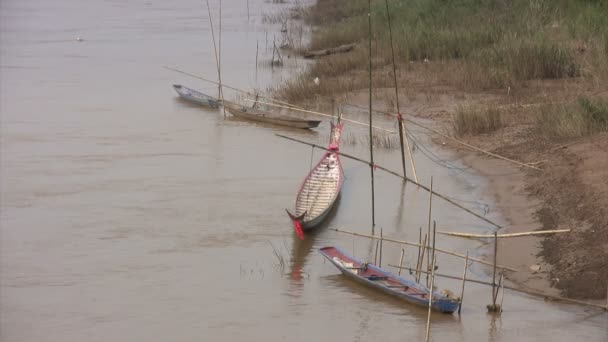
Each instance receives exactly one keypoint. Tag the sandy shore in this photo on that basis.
(518, 209)
(568, 194)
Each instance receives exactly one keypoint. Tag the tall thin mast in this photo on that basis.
(371, 136)
(219, 51)
(400, 121)
(217, 61)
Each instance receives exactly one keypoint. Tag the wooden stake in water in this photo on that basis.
(493, 307)
(428, 250)
(421, 262)
(256, 62)
(376, 254)
(371, 134)
(409, 149)
(380, 259)
(217, 61)
(503, 286)
(494, 268)
(272, 60)
(420, 243)
(219, 48)
(399, 118)
(333, 109)
(499, 286)
(464, 277)
(433, 255)
(401, 260)
(416, 245)
(247, 10)
(502, 297)
(428, 318)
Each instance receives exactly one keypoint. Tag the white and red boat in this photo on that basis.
(321, 188)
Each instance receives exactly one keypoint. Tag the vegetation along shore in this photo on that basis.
(524, 79)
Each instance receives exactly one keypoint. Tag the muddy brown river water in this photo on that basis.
(129, 215)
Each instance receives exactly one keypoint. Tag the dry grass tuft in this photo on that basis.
(579, 119)
(472, 121)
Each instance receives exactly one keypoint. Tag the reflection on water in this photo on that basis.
(129, 215)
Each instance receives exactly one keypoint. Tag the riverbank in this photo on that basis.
(546, 104)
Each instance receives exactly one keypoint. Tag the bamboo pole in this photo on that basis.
(247, 10)
(371, 133)
(326, 115)
(380, 259)
(498, 287)
(420, 242)
(399, 118)
(502, 297)
(452, 139)
(472, 235)
(416, 245)
(433, 265)
(419, 266)
(256, 62)
(428, 259)
(217, 61)
(219, 50)
(230, 87)
(401, 259)
(428, 318)
(494, 268)
(445, 198)
(530, 292)
(409, 151)
(376, 254)
(464, 277)
(272, 60)
(285, 104)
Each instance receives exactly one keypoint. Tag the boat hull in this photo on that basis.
(286, 121)
(312, 224)
(321, 188)
(196, 97)
(319, 191)
(387, 282)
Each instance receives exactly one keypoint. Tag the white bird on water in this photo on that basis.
(316, 80)
(78, 39)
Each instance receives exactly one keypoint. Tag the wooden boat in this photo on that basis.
(387, 282)
(263, 116)
(321, 188)
(197, 97)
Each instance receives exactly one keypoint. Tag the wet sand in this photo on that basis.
(506, 187)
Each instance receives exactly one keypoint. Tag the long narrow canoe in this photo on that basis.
(197, 97)
(267, 117)
(387, 282)
(321, 188)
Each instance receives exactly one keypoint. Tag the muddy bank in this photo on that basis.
(506, 184)
(569, 193)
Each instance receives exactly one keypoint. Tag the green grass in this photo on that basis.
(505, 41)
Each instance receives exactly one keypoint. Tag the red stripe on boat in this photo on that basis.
(298, 227)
